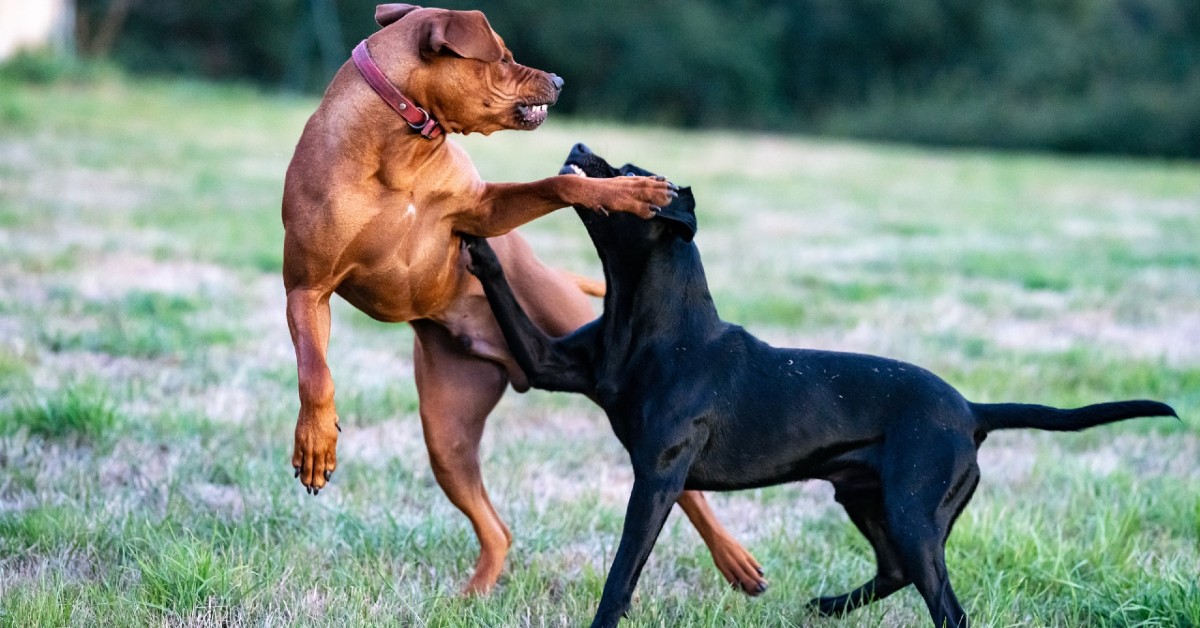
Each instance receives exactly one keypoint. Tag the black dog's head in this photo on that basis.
(678, 218)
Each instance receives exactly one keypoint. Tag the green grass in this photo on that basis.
(147, 381)
(82, 412)
(181, 575)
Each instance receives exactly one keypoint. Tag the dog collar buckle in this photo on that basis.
(417, 118)
(428, 128)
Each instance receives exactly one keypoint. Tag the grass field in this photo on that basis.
(147, 383)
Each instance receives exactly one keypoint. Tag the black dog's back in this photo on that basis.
(832, 409)
(835, 408)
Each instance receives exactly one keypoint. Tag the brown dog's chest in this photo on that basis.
(402, 286)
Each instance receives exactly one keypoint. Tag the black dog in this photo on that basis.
(702, 404)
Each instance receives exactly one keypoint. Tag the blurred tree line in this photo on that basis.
(1072, 75)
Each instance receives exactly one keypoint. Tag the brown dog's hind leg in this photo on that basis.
(732, 560)
(456, 393)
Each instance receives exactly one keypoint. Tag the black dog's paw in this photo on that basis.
(484, 262)
(830, 606)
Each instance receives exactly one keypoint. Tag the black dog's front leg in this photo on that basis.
(662, 458)
(649, 504)
(549, 363)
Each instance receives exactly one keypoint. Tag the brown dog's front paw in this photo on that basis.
(314, 456)
(641, 196)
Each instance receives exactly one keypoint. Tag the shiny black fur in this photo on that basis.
(702, 404)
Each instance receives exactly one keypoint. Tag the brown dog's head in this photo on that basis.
(457, 68)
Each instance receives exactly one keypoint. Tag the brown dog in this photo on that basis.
(371, 205)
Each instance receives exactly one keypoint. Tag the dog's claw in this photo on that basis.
(328, 475)
(655, 209)
(338, 426)
(762, 586)
(297, 472)
(602, 210)
(759, 570)
(659, 177)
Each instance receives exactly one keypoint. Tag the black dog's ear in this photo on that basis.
(681, 213)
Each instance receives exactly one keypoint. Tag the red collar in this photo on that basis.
(417, 118)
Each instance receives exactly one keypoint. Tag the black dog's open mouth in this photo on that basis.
(584, 163)
(589, 166)
(532, 115)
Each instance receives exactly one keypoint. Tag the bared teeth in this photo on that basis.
(531, 114)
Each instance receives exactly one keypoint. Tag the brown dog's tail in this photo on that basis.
(589, 286)
(1002, 416)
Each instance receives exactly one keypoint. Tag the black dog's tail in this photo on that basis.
(1004, 416)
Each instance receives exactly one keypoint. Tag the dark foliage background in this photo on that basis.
(1073, 75)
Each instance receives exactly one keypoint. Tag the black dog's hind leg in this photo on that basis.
(922, 502)
(864, 505)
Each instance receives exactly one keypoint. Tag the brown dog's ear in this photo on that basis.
(387, 13)
(464, 33)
